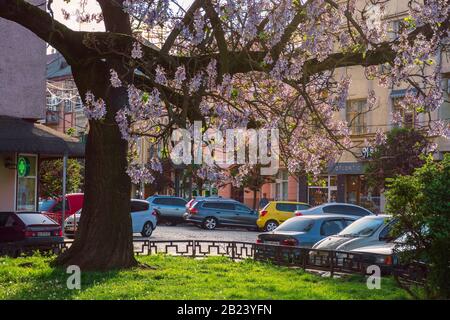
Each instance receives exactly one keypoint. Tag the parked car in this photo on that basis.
(212, 213)
(143, 219)
(29, 230)
(335, 208)
(74, 202)
(384, 254)
(307, 230)
(369, 230)
(276, 212)
(168, 208)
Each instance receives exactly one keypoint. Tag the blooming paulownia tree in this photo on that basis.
(163, 64)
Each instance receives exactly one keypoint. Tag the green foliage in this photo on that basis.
(421, 203)
(400, 155)
(51, 175)
(184, 278)
(71, 132)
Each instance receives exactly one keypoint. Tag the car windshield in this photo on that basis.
(300, 225)
(362, 227)
(46, 205)
(35, 218)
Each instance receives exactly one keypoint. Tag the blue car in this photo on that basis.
(305, 231)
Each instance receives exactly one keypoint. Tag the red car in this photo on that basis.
(29, 230)
(74, 202)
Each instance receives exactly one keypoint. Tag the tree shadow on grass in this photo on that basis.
(52, 282)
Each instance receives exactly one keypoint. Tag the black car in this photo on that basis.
(29, 230)
(213, 213)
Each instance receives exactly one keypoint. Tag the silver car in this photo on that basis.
(347, 209)
(367, 231)
(305, 231)
(168, 208)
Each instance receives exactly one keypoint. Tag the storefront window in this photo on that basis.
(358, 192)
(26, 183)
(322, 190)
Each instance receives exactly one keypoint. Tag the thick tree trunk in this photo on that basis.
(104, 239)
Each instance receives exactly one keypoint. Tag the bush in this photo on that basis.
(400, 155)
(421, 204)
(51, 176)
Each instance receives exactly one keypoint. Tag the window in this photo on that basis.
(67, 105)
(363, 227)
(165, 201)
(26, 183)
(242, 208)
(287, 207)
(343, 209)
(356, 112)
(330, 227)
(347, 222)
(158, 201)
(339, 209)
(299, 225)
(355, 211)
(303, 206)
(177, 202)
(34, 218)
(281, 185)
(385, 234)
(3, 219)
(323, 190)
(139, 206)
(407, 117)
(394, 29)
(219, 205)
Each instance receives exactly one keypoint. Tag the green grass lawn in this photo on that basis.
(184, 278)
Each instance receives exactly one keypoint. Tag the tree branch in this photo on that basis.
(66, 41)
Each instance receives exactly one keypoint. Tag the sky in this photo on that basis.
(72, 7)
(92, 6)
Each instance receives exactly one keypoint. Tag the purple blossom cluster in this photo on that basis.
(94, 109)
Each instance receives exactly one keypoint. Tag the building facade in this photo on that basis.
(344, 180)
(64, 108)
(23, 142)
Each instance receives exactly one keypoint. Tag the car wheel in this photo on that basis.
(147, 229)
(210, 223)
(270, 225)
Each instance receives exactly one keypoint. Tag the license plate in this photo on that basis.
(43, 234)
(272, 242)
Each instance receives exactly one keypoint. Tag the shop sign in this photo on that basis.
(23, 167)
(366, 152)
(346, 168)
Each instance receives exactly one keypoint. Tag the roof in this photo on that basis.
(18, 135)
(57, 67)
(325, 216)
(289, 202)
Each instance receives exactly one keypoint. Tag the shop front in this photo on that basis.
(23, 145)
(343, 182)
